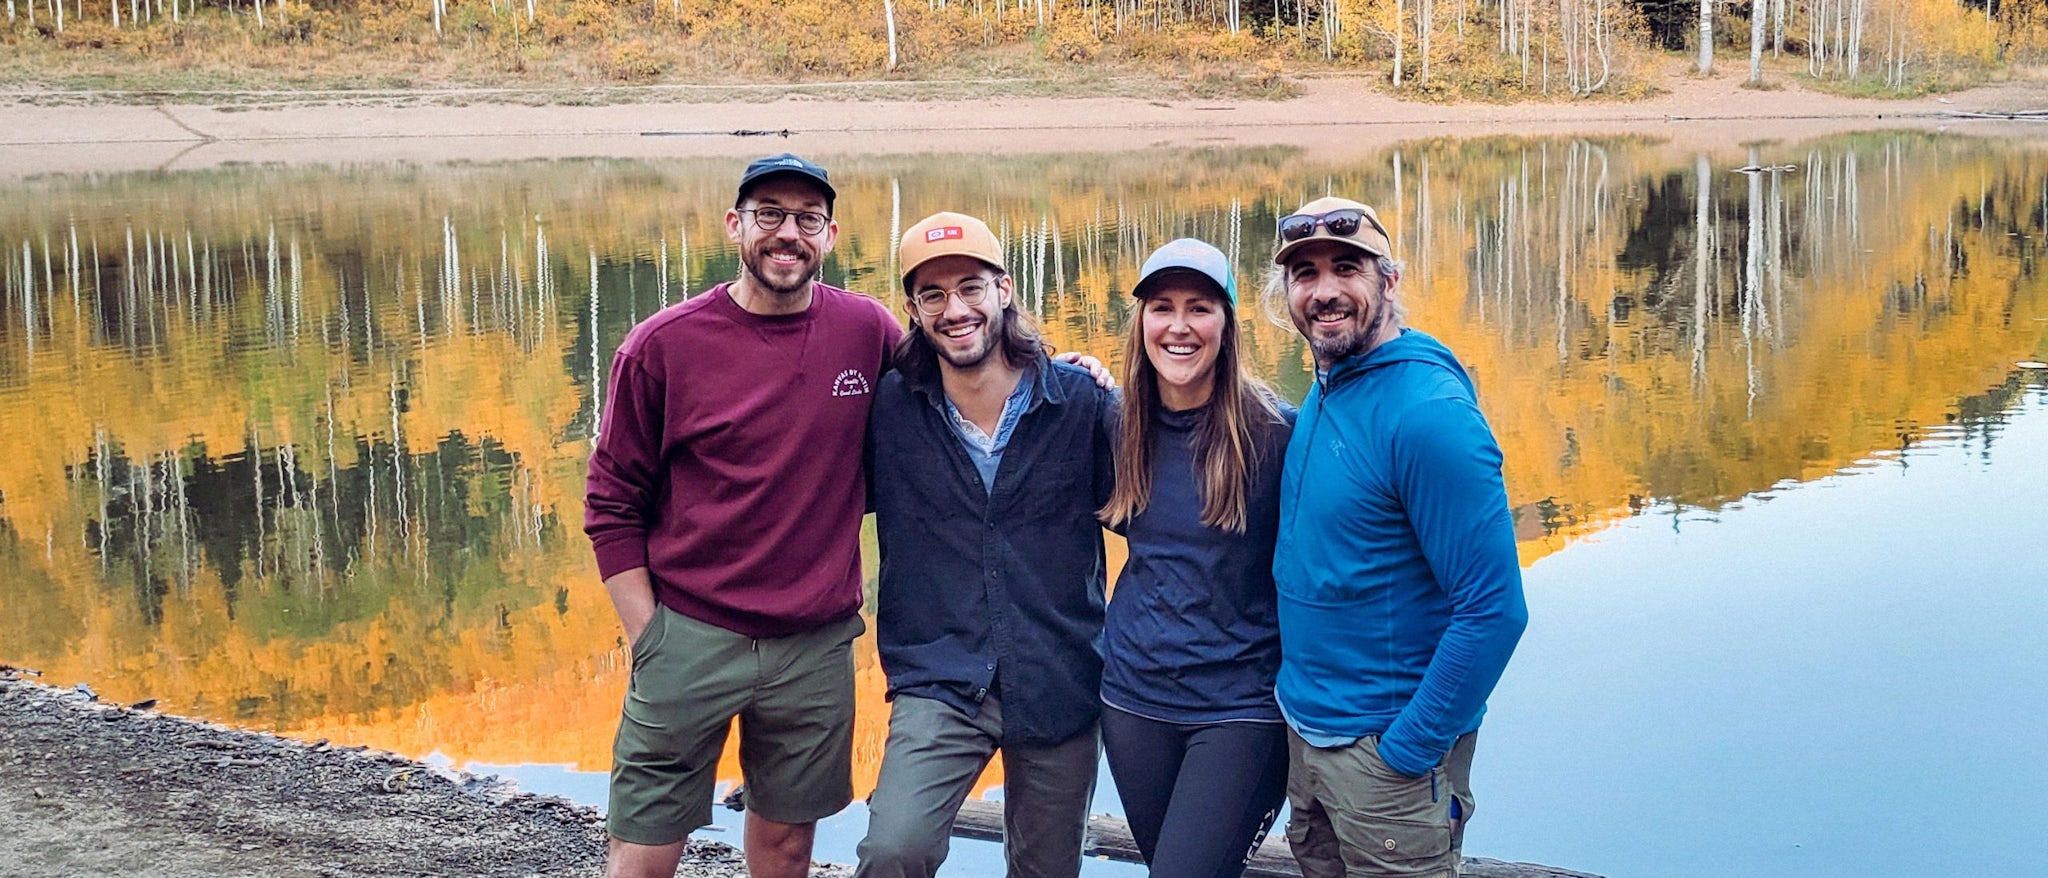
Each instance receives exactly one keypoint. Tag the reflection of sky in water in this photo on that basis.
(1841, 680)
(1838, 678)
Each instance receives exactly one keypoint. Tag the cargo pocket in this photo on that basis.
(1400, 841)
(1402, 824)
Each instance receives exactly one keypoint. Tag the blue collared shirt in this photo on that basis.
(987, 451)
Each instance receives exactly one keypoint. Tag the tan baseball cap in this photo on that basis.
(947, 234)
(1312, 222)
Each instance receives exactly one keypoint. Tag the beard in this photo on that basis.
(1333, 342)
(971, 357)
(780, 280)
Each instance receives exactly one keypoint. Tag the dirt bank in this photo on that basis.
(89, 788)
(1336, 115)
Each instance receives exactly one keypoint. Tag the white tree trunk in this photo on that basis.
(1758, 11)
(1600, 48)
(889, 18)
(1399, 35)
(1424, 24)
(1778, 28)
(1706, 37)
(1528, 9)
(1855, 47)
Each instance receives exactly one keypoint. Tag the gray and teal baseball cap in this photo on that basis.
(1191, 257)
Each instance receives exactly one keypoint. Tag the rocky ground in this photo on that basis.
(91, 788)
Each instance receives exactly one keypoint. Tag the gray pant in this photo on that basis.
(933, 757)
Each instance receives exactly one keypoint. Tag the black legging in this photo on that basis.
(1199, 798)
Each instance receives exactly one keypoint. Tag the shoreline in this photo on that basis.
(92, 787)
(1334, 116)
(95, 787)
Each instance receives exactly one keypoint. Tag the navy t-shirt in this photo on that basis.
(1193, 634)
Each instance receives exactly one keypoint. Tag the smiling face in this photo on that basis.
(1185, 327)
(781, 261)
(1339, 300)
(964, 335)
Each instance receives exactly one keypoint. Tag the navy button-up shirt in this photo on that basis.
(979, 583)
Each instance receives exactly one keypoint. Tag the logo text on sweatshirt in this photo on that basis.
(850, 383)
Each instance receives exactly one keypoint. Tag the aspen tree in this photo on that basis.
(1706, 37)
(1757, 14)
(889, 18)
(1425, 22)
(1400, 12)
(1778, 27)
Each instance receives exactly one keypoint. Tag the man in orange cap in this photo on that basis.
(989, 461)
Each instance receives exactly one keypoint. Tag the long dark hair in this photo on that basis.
(1020, 345)
(1227, 432)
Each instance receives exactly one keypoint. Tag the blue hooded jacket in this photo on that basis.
(1400, 591)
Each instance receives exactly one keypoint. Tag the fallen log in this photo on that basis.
(2015, 116)
(1110, 838)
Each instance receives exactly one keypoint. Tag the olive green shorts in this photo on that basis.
(1351, 814)
(794, 699)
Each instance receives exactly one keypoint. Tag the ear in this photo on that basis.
(733, 225)
(1003, 288)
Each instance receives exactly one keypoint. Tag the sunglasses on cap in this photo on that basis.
(1343, 223)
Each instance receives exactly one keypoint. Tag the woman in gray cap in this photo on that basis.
(1194, 738)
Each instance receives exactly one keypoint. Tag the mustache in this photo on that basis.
(784, 248)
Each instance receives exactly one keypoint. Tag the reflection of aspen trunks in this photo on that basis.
(322, 484)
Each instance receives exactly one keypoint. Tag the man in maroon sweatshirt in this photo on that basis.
(724, 504)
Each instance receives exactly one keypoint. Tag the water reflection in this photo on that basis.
(1840, 681)
(303, 448)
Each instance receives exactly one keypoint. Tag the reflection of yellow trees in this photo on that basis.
(382, 383)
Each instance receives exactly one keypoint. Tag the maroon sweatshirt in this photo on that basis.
(728, 458)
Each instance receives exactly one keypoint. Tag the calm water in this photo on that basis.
(302, 449)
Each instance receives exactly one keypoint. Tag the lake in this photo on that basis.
(301, 448)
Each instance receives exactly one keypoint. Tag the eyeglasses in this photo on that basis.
(1342, 223)
(932, 302)
(769, 219)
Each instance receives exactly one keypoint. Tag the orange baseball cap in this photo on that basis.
(947, 234)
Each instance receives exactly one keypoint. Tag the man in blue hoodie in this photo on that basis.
(1400, 592)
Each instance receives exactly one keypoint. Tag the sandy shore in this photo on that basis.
(1336, 116)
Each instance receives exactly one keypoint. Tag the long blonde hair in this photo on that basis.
(1227, 446)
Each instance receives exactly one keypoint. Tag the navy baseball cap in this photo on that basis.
(1188, 255)
(786, 163)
